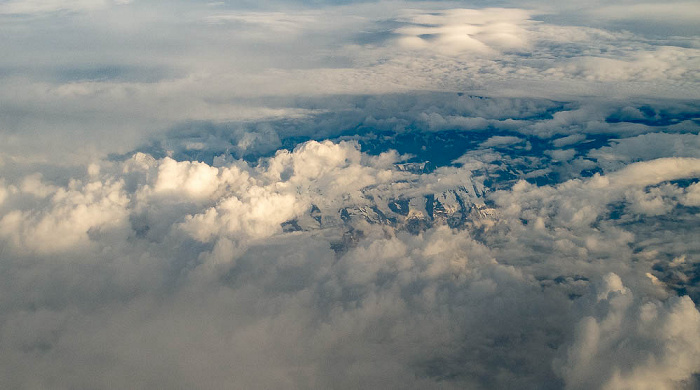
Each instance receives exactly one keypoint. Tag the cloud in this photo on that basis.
(155, 84)
(643, 66)
(681, 11)
(692, 196)
(72, 212)
(497, 140)
(3, 192)
(656, 171)
(368, 195)
(646, 147)
(279, 22)
(28, 7)
(606, 350)
(466, 31)
(180, 242)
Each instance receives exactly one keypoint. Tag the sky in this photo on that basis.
(349, 194)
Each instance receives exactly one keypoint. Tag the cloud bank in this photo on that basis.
(149, 264)
(361, 195)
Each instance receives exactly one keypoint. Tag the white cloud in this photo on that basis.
(192, 263)
(562, 155)
(194, 180)
(631, 344)
(72, 214)
(43, 6)
(498, 140)
(665, 63)
(33, 185)
(652, 172)
(281, 23)
(4, 192)
(692, 196)
(679, 12)
(568, 140)
(458, 31)
(155, 83)
(250, 242)
(647, 147)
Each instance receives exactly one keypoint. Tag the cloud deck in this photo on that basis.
(365, 195)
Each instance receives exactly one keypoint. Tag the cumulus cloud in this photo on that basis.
(351, 301)
(363, 195)
(72, 213)
(606, 351)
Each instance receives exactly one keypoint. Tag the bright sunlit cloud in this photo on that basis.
(342, 194)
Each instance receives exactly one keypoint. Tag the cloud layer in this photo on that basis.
(146, 265)
(359, 195)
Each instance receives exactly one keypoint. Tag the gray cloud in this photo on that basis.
(132, 69)
(194, 255)
(348, 195)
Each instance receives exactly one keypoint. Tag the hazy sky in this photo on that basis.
(349, 194)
